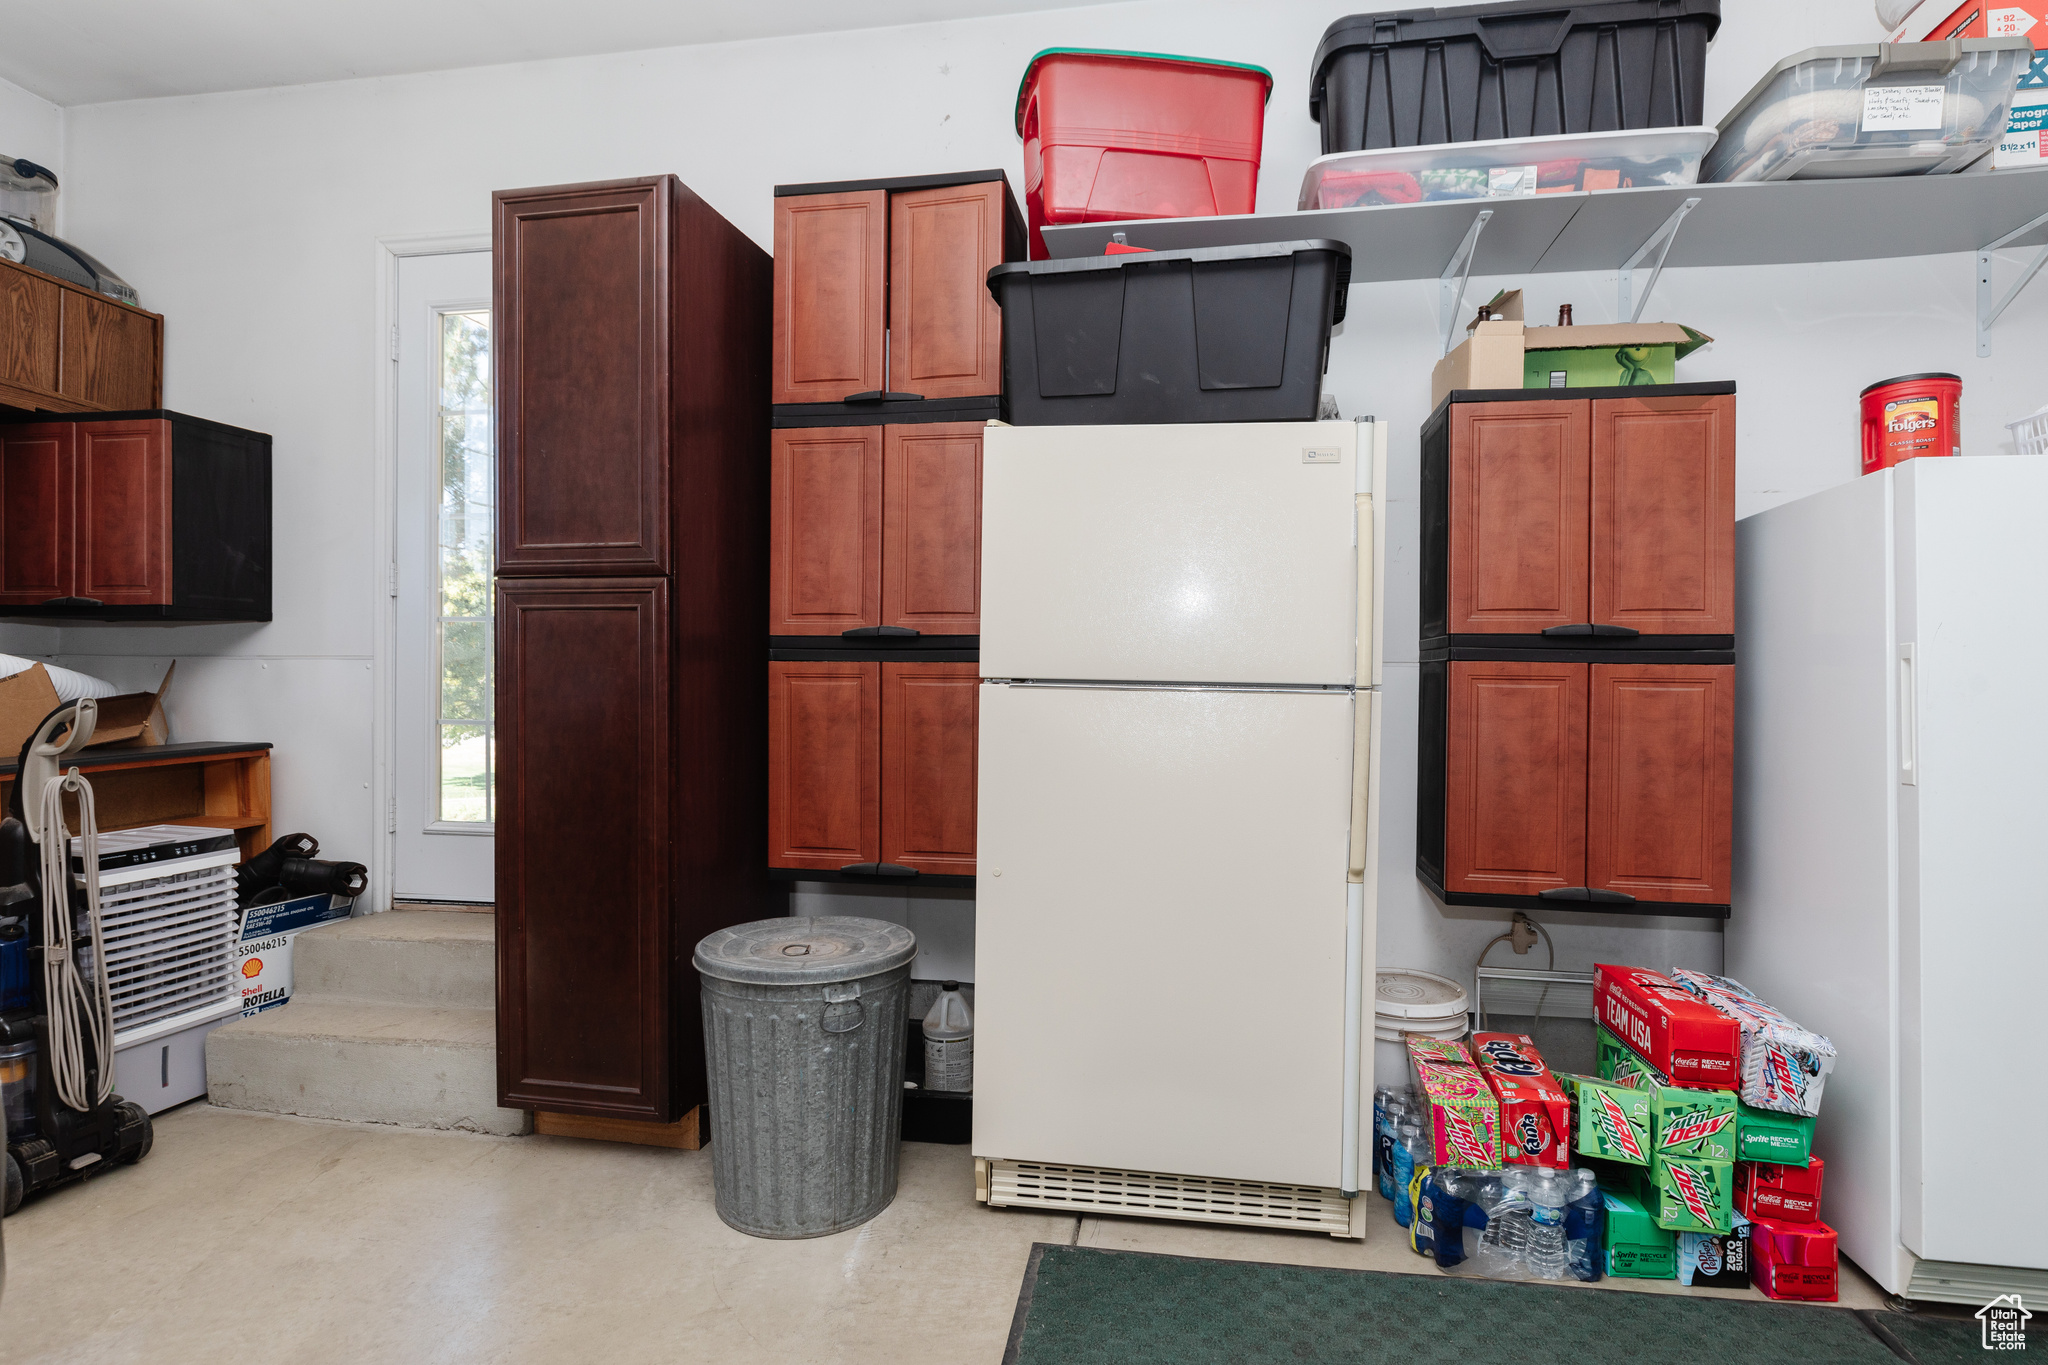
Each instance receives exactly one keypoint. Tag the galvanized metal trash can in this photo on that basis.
(803, 1041)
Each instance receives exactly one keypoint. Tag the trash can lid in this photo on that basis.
(803, 951)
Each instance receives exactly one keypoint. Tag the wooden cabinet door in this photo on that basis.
(824, 764)
(929, 747)
(584, 952)
(831, 251)
(31, 314)
(945, 330)
(1659, 804)
(1515, 779)
(1663, 542)
(36, 502)
(931, 528)
(581, 316)
(1518, 517)
(110, 354)
(825, 530)
(123, 537)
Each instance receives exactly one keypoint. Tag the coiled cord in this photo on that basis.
(81, 1009)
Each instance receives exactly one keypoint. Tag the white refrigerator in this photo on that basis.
(1177, 849)
(1890, 806)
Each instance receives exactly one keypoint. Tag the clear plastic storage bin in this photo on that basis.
(1872, 109)
(1506, 168)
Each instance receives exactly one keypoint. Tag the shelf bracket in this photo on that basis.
(1666, 234)
(1451, 297)
(1988, 311)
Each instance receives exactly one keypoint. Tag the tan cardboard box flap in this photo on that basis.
(1615, 334)
(1506, 306)
(1490, 359)
(135, 719)
(25, 698)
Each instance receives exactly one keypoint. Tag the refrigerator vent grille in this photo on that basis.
(1955, 1282)
(1088, 1189)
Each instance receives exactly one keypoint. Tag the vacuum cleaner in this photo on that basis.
(77, 1126)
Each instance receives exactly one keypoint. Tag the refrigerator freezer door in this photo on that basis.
(1159, 930)
(1219, 553)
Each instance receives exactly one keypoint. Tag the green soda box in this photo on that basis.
(1694, 1196)
(1767, 1135)
(1693, 1123)
(1620, 1064)
(1608, 1120)
(1636, 1247)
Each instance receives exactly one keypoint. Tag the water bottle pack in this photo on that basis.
(1521, 1223)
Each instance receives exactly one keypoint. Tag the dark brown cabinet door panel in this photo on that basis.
(945, 330)
(1515, 799)
(110, 354)
(36, 501)
(825, 530)
(931, 528)
(582, 320)
(584, 951)
(929, 732)
(824, 764)
(123, 547)
(1659, 804)
(1663, 544)
(831, 252)
(1518, 527)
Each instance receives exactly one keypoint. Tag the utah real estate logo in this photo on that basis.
(2005, 1323)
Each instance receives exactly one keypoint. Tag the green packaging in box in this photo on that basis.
(1694, 1196)
(1620, 355)
(1608, 1120)
(1620, 1064)
(1766, 1135)
(1636, 1247)
(1693, 1123)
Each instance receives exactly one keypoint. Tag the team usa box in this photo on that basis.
(1535, 1115)
(1784, 1194)
(1673, 1030)
(1794, 1260)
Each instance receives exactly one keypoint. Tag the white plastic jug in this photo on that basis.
(949, 1042)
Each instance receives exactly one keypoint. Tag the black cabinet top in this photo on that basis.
(1709, 390)
(900, 182)
(183, 419)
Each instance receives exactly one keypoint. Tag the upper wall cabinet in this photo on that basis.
(67, 349)
(1607, 521)
(882, 309)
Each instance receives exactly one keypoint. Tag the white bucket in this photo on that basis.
(1408, 1000)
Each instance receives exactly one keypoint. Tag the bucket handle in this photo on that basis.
(843, 1011)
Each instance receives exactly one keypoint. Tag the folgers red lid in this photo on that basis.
(1670, 1028)
(1908, 379)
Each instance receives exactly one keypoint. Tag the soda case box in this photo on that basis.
(1694, 1196)
(1464, 1116)
(1619, 1063)
(1609, 1121)
(1448, 1051)
(1784, 1066)
(1636, 1247)
(1715, 1260)
(1794, 1260)
(1785, 1194)
(1693, 1123)
(1669, 1027)
(1763, 1135)
(1535, 1115)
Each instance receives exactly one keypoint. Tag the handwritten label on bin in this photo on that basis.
(1902, 108)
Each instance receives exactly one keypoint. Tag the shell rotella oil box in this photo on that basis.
(1667, 1026)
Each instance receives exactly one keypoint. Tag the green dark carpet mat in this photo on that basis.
(1083, 1306)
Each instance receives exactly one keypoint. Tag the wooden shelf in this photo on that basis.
(214, 786)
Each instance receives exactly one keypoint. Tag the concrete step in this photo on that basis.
(371, 1062)
(437, 959)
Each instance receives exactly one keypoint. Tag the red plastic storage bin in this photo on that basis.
(1114, 135)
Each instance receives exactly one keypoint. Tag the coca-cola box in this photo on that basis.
(1794, 1260)
(1789, 1194)
(1667, 1026)
(1535, 1116)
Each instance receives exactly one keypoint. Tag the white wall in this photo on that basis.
(252, 220)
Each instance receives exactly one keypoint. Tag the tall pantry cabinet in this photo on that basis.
(632, 396)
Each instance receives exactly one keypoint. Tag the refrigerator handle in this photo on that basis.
(1367, 627)
(1909, 717)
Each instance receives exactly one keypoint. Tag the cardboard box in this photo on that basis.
(1715, 1260)
(1619, 1063)
(1693, 1123)
(133, 719)
(1609, 1121)
(1606, 355)
(1795, 1260)
(1490, 357)
(1694, 1196)
(1535, 1115)
(263, 957)
(1766, 1135)
(1636, 1247)
(1464, 1116)
(1679, 1034)
(1788, 1194)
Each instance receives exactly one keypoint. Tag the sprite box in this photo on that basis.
(1608, 1120)
(1620, 1064)
(1694, 1196)
(1693, 1123)
(1767, 1135)
(1636, 1246)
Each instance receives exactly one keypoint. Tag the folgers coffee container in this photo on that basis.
(1915, 414)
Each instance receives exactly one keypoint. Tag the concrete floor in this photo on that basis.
(250, 1236)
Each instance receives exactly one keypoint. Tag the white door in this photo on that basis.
(443, 558)
(1160, 929)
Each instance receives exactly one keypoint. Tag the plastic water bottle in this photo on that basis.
(1545, 1254)
(949, 1042)
(1380, 1095)
(1502, 1249)
(1407, 1143)
(1386, 1137)
(1585, 1220)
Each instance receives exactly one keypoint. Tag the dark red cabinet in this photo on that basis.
(831, 301)
(1515, 818)
(930, 728)
(945, 330)
(1660, 781)
(1663, 537)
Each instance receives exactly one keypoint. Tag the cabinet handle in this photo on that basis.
(1585, 893)
(1596, 628)
(882, 396)
(879, 633)
(72, 602)
(878, 870)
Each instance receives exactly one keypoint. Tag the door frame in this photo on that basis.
(387, 253)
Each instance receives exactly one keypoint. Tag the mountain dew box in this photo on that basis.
(1794, 1260)
(1692, 1195)
(1619, 1063)
(1693, 1123)
(1766, 1135)
(1464, 1116)
(1636, 1247)
(1672, 1029)
(1610, 1121)
(1535, 1116)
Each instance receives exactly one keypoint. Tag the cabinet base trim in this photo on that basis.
(813, 874)
(986, 408)
(684, 1134)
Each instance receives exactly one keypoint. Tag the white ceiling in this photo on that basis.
(89, 51)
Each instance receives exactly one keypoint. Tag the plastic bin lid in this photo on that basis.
(805, 951)
(1419, 997)
(1075, 265)
(1032, 65)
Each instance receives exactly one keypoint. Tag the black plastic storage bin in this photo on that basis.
(1217, 334)
(1411, 78)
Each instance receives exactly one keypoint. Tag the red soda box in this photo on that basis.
(1672, 1029)
(1535, 1116)
(1794, 1260)
(1784, 1194)
(1464, 1116)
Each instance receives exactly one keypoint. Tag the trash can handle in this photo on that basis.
(843, 1011)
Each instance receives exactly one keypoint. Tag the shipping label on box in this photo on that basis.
(1674, 1031)
(1609, 1121)
(1535, 1115)
(1694, 1196)
(263, 956)
(1789, 1194)
(1464, 1116)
